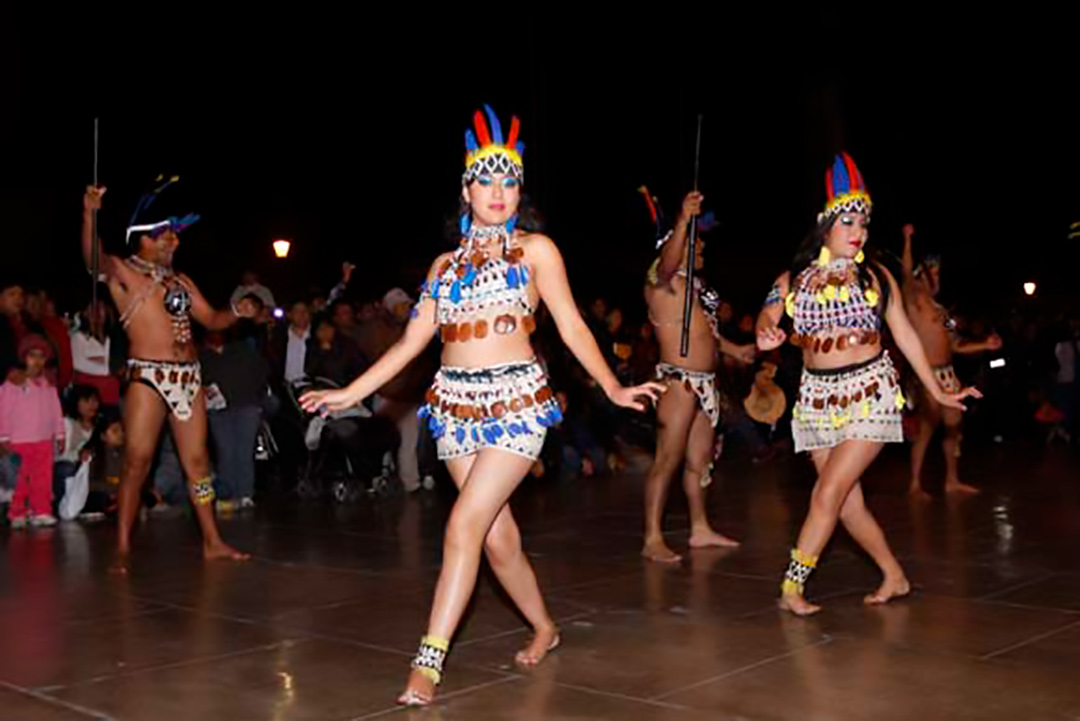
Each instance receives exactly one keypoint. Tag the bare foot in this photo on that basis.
(659, 552)
(711, 539)
(916, 492)
(958, 487)
(545, 641)
(890, 589)
(219, 549)
(796, 604)
(121, 563)
(419, 691)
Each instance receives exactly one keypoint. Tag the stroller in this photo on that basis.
(349, 453)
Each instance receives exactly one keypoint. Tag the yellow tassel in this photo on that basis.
(824, 257)
(871, 297)
(804, 558)
(860, 257)
(830, 292)
(845, 294)
(900, 400)
(789, 304)
(865, 413)
(820, 298)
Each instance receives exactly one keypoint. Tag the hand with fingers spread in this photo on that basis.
(325, 402)
(631, 397)
(956, 400)
(770, 338)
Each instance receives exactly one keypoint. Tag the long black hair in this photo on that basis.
(529, 218)
(810, 249)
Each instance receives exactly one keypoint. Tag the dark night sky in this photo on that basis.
(351, 142)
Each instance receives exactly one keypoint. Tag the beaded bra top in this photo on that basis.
(828, 299)
(476, 293)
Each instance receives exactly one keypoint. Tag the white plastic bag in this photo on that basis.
(76, 490)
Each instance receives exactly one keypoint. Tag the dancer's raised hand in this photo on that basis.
(92, 197)
(691, 206)
(631, 397)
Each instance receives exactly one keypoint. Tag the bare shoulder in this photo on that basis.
(538, 246)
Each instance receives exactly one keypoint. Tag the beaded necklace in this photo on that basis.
(476, 292)
(177, 299)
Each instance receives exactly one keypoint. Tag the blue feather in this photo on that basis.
(460, 434)
(841, 180)
(470, 141)
(496, 128)
(512, 280)
(455, 292)
(521, 147)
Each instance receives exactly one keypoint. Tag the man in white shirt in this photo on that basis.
(297, 339)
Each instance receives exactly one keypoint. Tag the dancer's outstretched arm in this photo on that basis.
(418, 333)
(769, 333)
(208, 316)
(555, 291)
(909, 344)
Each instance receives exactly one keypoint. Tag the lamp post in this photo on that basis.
(281, 248)
(1029, 288)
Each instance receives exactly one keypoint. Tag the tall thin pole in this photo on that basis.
(688, 300)
(95, 252)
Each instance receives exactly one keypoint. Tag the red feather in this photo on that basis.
(648, 201)
(482, 133)
(515, 128)
(828, 186)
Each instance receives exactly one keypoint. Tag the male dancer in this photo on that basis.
(156, 304)
(687, 415)
(935, 330)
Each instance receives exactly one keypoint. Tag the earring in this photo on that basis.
(464, 223)
(511, 224)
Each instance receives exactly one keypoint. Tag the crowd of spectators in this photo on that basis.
(254, 372)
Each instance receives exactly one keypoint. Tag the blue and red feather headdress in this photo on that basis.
(845, 190)
(487, 152)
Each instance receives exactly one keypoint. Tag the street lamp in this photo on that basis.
(281, 248)
(1029, 288)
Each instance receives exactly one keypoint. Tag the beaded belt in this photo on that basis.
(819, 344)
(495, 410)
(503, 325)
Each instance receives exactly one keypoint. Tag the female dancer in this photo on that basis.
(490, 404)
(849, 401)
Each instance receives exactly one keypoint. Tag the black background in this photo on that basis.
(344, 133)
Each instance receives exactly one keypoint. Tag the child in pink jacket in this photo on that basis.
(31, 428)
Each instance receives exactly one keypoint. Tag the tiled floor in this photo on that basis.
(322, 623)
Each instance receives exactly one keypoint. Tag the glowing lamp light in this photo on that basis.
(1029, 288)
(281, 248)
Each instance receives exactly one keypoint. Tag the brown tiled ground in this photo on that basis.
(322, 623)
